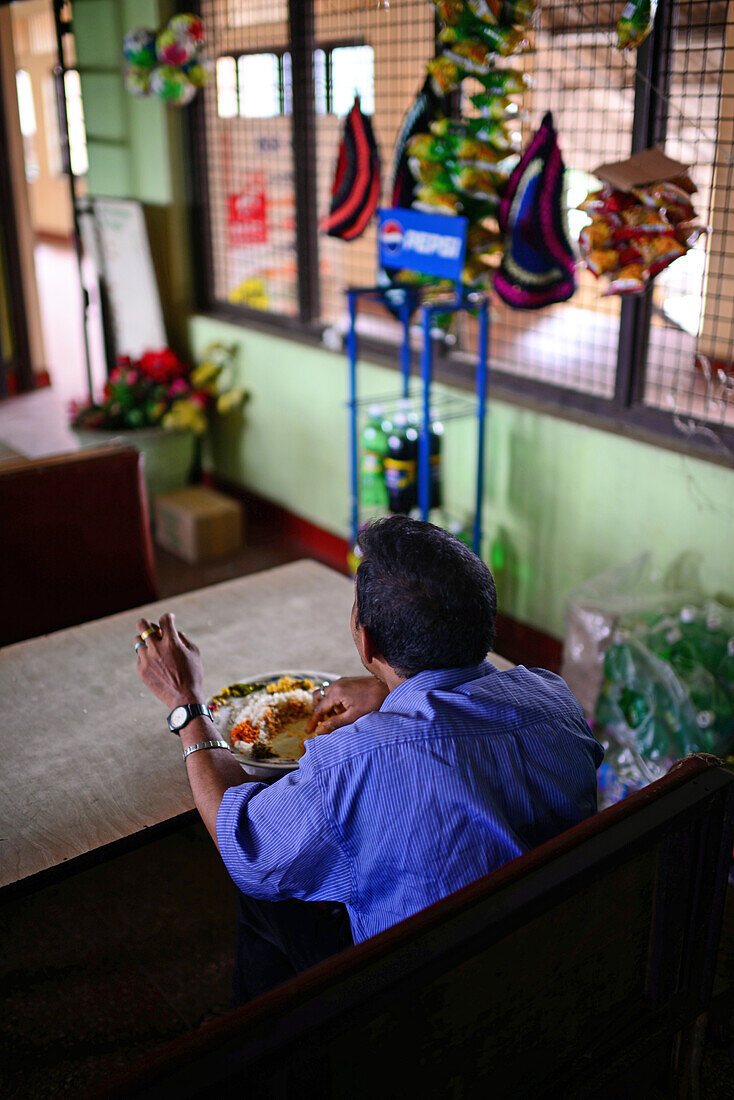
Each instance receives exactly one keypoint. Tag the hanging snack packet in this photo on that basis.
(473, 57)
(685, 183)
(628, 280)
(425, 147)
(505, 82)
(477, 183)
(432, 201)
(450, 12)
(477, 154)
(479, 48)
(431, 173)
(445, 75)
(484, 130)
(601, 261)
(687, 233)
(664, 195)
(597, 235)
(497, 134)
(607, 202)
(519, 12)
(640, 222)
(488, 11)
(497, 107)
(635, 23)
(502, 11)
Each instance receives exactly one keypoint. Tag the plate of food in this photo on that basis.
(263, 719)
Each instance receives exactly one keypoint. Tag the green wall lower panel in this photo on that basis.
(105, 108)
(570, 500)
(97, 36)
(109, 170)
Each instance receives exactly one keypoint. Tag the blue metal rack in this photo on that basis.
(406, 300)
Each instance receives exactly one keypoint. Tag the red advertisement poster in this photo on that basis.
(247, 213)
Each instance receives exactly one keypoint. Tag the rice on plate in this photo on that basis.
(264, 719)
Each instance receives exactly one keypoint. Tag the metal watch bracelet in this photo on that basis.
(205, 745)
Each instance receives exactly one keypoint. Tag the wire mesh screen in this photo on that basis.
(248, 156)
(689, 359)
(380, 52)
(588, 84)
(397, 43)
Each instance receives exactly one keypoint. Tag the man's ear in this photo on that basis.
(369, 648)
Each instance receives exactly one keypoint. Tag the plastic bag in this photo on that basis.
(668, 685)
(623, 771)
(598, 607)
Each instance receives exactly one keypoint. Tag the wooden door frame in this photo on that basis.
(21, 363)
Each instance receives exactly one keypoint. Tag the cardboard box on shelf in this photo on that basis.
(198, 524)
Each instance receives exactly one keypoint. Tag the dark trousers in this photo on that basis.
(278, 939)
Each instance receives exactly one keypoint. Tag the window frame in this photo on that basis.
(624, 413)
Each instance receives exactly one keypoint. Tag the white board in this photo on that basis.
(123, 254)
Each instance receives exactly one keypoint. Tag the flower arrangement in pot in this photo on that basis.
(161, 405)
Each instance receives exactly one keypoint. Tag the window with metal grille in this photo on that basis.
(265, 146)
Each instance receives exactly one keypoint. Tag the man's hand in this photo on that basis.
(344, 701)
(170, 664)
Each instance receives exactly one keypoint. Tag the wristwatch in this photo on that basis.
(181, 716)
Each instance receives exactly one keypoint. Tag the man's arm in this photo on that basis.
(170, 665)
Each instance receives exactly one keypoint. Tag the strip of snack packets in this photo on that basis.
(638, 226)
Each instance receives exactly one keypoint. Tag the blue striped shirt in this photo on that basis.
(458, 772)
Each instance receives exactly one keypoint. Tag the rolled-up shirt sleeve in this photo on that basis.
(277, 841)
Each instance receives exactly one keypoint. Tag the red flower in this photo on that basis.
(162, 366)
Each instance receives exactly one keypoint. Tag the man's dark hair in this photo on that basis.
(427, 600)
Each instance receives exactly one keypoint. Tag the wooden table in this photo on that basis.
(87, 758)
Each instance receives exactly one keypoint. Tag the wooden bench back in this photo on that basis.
(564, 973)
(76, 541)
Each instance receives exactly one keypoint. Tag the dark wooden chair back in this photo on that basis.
(573, 971)
(76, 542)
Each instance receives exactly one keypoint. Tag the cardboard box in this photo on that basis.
(198, 524)
(649, 166)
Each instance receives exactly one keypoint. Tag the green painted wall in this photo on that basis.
(571, 501)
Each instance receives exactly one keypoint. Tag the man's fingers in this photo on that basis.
(168, 627)
(187, 642)
(314, 719)
(332, 722)
(322, 709)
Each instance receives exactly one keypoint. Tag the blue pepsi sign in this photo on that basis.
(433, 244)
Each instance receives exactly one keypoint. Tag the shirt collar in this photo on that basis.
(418, 686)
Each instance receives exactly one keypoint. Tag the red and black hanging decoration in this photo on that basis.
(355, 192)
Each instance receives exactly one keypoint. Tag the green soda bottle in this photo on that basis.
(373, 489)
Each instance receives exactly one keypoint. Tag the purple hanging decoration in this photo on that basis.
(539, 262)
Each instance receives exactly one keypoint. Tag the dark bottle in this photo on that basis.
(401, 465)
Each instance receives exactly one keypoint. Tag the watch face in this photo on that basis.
(178, 717)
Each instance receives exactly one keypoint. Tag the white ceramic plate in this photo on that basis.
(287, 746)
